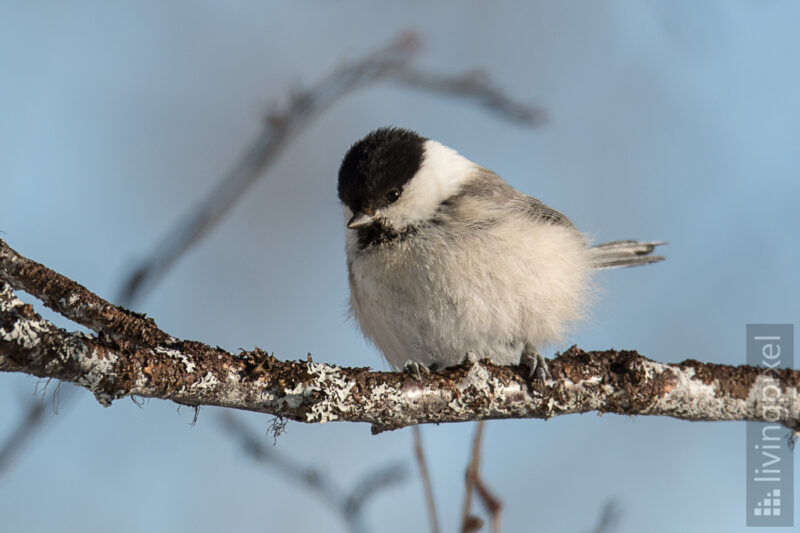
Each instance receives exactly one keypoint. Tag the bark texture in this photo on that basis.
(130, 355)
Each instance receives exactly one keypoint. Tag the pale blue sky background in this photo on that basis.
(670, 120)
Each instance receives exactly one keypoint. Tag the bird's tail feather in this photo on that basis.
(624, 254)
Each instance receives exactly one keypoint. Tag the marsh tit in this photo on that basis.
(447, 262)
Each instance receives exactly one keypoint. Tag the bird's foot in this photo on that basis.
(471, 358)
(415, 370)
(537, 364)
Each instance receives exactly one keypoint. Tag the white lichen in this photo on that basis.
(95, 366)
(25, 332)
(477, 377)
(581, 393)
(771, 401)
(334, 387)
(384, 393)
(690, 397)
(206, 382)
(188, 364)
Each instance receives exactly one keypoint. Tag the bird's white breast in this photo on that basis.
(444, 292)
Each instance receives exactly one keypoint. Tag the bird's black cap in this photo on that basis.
(383, 160)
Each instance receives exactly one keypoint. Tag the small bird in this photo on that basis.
(447, 262)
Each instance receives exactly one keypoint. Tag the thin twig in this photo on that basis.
(609, 518)
(21, 434)
(350, 507)
(372, 483)
(493, 504)
(475, 483)
(424, 475)
(470, 523)
(474, 85)
(390, 63)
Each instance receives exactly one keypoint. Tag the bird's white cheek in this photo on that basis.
(441, 175)
(414, 206)
(396, 216)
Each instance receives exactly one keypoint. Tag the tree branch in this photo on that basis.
(115, 363)
(75, 302)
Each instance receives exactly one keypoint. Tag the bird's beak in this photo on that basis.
(361, 219)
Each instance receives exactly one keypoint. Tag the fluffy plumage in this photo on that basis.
(459, 261)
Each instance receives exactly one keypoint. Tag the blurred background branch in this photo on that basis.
(348, 504)
(21, 435)
(609, 519)
(36, 412)
(474, 484)
(391, 63)
(425, 477)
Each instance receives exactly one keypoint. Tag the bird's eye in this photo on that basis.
(393, 195)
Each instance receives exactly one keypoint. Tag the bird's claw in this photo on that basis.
(415, 370)
(536, 364)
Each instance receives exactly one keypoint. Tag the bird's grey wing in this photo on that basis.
(546, 213)
(489, 197)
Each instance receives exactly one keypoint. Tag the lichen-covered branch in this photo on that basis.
(114, 364)
(75, 302)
